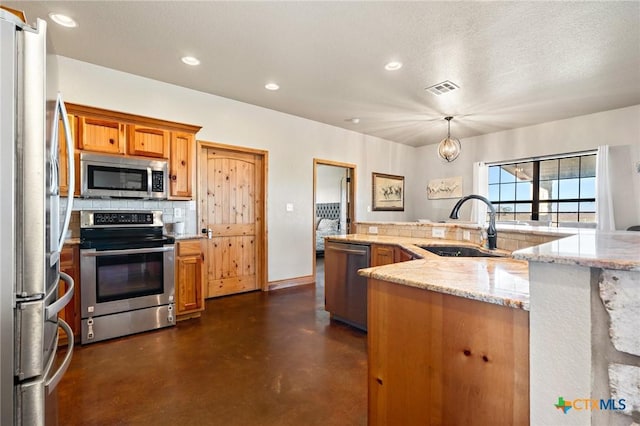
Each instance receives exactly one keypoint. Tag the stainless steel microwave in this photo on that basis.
(108, 176)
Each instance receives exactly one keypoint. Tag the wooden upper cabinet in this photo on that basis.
(147, 141)
(181, 165)
(63, 165)
(101, 135)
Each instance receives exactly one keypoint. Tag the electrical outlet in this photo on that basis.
(177, 212)
(373, 229)
(437, 232)
(466, 235)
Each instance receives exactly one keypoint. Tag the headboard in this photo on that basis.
(328, 210)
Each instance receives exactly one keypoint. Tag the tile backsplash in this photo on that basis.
(186, 211)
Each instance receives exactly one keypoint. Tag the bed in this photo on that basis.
(327, 223)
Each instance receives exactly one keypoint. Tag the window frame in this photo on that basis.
(535, 200)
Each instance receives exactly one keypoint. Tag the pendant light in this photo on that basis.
(449, 148)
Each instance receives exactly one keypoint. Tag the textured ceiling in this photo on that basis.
(517, 63)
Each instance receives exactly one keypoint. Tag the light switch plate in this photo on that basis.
(466, 235)
(437, 232)
(373, 229)
(289, 207)
(177, 212)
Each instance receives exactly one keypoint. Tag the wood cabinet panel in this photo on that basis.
(402, 255)
(440, 359)
(382, 254)
(70, 265)
(147, 141)
(101, 135)
(181, 165)
(189, 279)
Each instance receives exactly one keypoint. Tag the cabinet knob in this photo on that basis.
(111, 141)
(183, 162)
(174, 177)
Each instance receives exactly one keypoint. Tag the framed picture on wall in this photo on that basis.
(387, 192)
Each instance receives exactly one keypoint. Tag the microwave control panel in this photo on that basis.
(157, 181)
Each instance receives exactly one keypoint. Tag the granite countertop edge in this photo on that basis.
(423, 273)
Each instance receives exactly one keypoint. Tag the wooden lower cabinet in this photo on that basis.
(386, 254)
(70, 265)
(382, 254)
(189, 279)
(438, 359)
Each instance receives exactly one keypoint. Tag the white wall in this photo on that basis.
(329, 183)
(618, 128)
(292, 143)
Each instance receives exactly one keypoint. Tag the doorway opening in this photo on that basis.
(333, 204)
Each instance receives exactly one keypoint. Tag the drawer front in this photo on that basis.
(186, 248)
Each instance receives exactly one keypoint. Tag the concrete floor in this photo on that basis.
(252, 359)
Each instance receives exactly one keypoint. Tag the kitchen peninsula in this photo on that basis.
(455, 331)
(453, 334)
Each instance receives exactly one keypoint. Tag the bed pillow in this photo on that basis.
(328, 225)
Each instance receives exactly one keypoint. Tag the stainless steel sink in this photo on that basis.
(459, 251)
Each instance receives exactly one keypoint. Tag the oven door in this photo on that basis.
(115, 281)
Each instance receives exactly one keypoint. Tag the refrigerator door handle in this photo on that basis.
(70, 168)
(52, 310)
(51, 383)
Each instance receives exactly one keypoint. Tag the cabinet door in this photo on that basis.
(63, 168)
(147, 141)
(189, 289)
(70, 265)
(101, 135)
(382, 255)
(189, 281)
(181, 165)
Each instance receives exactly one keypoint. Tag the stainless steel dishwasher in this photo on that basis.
(345, 294)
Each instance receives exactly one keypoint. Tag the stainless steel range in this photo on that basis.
(127, 274)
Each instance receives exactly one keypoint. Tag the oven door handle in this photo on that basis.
(93, 253)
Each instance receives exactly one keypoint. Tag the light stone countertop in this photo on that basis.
(609, 250)
(502, 281)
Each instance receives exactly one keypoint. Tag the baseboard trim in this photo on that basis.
(291, 282)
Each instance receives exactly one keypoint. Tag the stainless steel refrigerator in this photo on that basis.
(32, 228)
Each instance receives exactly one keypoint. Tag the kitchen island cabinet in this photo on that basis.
(437, 359)
(189, 279)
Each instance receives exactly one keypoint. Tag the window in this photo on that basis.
(556, 189)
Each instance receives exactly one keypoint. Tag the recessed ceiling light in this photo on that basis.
(190, 60)
(63, 20)
(354, 120)
(271, 86)
(393, 66)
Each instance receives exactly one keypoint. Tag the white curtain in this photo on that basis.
(604, 199)
(480, 187)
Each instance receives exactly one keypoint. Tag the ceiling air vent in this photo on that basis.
(442, 88)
